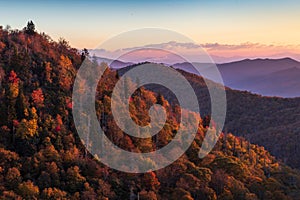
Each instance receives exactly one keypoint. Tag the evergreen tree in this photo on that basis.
(30, 28)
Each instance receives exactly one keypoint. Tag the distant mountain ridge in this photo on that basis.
(268, 77)
(114, 64)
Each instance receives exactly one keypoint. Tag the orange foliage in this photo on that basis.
(48, 70)
(65, 73)
(2, 45)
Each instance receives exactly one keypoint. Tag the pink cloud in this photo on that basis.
(220, 53)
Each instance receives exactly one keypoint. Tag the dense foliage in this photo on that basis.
(265, 121)
(41, 156)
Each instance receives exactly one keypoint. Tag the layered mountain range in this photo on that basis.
(268, 77)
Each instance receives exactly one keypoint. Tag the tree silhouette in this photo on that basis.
(84, 53)
(30, 28)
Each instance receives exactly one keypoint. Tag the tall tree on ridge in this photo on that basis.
(30, 28)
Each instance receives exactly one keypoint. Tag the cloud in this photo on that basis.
(220, 53)
(252, 50)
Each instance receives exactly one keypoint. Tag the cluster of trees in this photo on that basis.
(41, 156)
(265, 121)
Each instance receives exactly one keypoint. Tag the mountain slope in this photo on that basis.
(262, 120)
(249, 74)
(41, 156)
(288, 79)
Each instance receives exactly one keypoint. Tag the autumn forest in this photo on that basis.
(42, 157)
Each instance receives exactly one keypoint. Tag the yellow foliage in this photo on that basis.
(65, 73)
(33, 113)
(27, 128)
(14, 90)
(26, 113)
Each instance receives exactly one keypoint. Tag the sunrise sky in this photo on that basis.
(267, 25)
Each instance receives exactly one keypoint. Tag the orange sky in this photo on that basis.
(234, 22)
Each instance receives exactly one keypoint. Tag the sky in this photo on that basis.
(86, 24)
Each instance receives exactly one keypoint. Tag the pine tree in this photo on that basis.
(30, 28)
(160, 99)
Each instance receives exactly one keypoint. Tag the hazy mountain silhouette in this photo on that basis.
(114, 64)
(269, 77)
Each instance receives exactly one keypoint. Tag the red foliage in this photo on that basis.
(15, 123)
(57, 128)
(69, 103)
(13, 78)
(38, 97)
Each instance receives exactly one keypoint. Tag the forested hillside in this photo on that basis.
(272, 122)
(268, 121)
(41, 156)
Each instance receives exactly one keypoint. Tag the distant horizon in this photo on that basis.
(219, 53)
(239, 60)
(233, 22)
